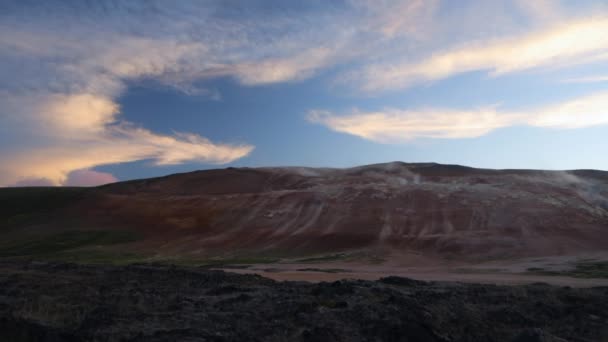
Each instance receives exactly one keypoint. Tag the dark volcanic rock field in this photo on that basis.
(68, 302)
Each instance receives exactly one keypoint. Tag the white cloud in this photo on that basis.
(399, 126)
(588, 79)
(394, 126)
(586, 111)
(565, 43)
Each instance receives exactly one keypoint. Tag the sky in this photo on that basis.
(97, 91)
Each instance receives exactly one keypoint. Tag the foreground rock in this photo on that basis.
(67, 302)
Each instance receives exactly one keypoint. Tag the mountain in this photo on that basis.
(445, 211)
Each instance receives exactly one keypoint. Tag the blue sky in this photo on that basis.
(91, 92)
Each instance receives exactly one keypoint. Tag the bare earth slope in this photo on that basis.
(431, 208)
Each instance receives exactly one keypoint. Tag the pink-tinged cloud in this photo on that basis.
(35, 182)
(89, 178)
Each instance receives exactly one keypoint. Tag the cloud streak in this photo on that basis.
(400, 126)
(588, 79)
(573, 42)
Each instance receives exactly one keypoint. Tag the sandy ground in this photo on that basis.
(502, 272)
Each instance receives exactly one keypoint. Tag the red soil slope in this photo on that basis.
(437, 209)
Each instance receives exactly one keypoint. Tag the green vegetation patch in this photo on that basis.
(49, 245)
(324, 258)
(479, 270)
(349, 256)
(22, 205)
(229, 262)
(98, 256)
(582, 269)
(326, 270)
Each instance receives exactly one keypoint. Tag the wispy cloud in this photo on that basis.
(394, 126)
(572, 42)
(398, 126)
(542, 10)
(587, 79)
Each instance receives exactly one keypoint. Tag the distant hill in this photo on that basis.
(448, 211)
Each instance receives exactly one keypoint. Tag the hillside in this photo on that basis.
(257, 214)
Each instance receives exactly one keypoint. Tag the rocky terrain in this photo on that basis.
(68, 302)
